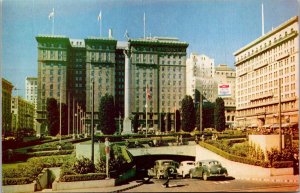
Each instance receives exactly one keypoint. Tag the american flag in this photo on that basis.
(148, 93)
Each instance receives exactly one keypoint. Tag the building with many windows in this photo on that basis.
(160, 64)
(224, 75)
(72, 67)
(22, 113)
(260, 67)
(31, 90)
(200, 76)
(6, 106)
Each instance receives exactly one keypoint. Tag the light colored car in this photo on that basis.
(185, 167)
(208, 168)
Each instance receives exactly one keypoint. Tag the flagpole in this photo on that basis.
(175, 118)
(146, 112)
(53, 22)
(144, 25)
(101, 27)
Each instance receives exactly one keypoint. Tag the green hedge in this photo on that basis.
(234, 157)
(39, 154)
(83, 177)
(16, 181)
(282, 164)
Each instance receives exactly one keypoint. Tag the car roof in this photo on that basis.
(187, 162)
(209, 160)
(164, 160)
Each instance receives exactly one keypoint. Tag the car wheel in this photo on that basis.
(204, 176)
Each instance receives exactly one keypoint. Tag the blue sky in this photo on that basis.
(215, 28)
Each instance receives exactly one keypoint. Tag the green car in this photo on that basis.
(208, 168)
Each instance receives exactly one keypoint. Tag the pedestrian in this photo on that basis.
(296, 164)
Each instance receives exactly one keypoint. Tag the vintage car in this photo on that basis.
(208, 168)
(164, 169)
(185, 167)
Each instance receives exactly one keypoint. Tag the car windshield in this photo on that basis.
(214, 163)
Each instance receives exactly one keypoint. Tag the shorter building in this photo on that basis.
(22, 113)
(6, 106)
(225, 76)
(200, 76)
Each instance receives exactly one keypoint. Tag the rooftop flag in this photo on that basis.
(100, 16)
(51, 14)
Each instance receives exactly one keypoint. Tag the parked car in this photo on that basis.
(163, 169)
(208, 168)
(185, 167)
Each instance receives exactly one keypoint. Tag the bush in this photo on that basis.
(16, 181)
(282, 164)
(286, 155)
(234, 157)
(84, 166)
(83, 177)
(39, 154)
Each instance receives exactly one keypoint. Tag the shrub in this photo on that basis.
(83, 177)
(84, 166)
(16, 181)
(282, 164)
(39, 154)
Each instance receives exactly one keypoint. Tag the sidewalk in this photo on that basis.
(121, 188)
(284, 178)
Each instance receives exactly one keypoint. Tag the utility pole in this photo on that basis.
(68, 113)
(92, 128)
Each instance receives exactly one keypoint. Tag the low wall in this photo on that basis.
(281, 171)
(19, 188)
(126, 176)
(82, 184)
(42, 180)
(236, 169)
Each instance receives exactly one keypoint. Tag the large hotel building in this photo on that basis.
(260, 66)
(67, 68)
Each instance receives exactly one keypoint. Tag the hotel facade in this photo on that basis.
(260, 66)
(68, 67)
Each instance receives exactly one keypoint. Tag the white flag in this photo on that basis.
(51, 15)
(99, 16)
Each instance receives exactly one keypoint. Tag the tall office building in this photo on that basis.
(224, 75)
(72, 65)
(200, 75)
(260, 66)
(6, 106)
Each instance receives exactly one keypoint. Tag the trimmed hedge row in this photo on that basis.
(282, 164)
(234, 157)
(51, 153)
(83, 177)
(16, 181)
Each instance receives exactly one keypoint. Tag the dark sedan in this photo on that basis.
(208, 168)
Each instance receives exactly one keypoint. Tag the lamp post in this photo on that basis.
(92, 123)
(279, 116)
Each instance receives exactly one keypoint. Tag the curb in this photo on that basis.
(128, 188)
(268, 179)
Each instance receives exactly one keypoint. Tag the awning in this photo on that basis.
(276, 125)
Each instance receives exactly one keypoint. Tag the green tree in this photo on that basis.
(168, 121)
(135, 123)
(208, 115)
(219, 114)
(162, 122)
(107, 115)
(64, 119)
(188, 114)
(178, 122)
(52, 116)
